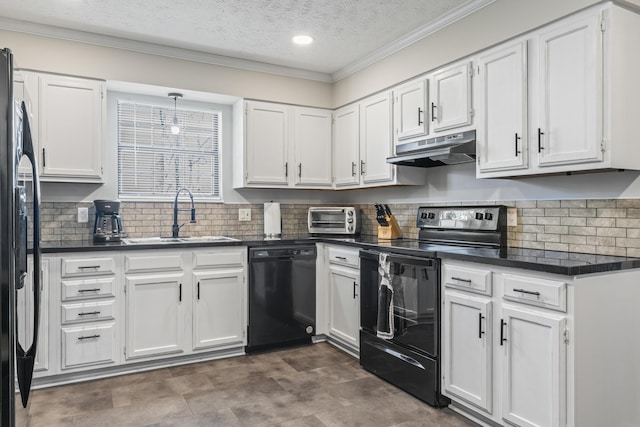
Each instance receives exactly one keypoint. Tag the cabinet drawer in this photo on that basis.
(86, 266)
(469, 279)
(221, 258)
(146, 263)
(88, 345)
(535, 291)
(87, 311)
(344, 257)
(88, 288)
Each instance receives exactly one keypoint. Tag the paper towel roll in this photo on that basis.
(272, 221)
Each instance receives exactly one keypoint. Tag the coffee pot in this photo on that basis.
(107, 226)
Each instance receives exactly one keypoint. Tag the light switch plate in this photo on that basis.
(83, 214)
(244, 214)
(512, 217)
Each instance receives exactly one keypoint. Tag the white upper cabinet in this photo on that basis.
(67, 117)
(502, 137)
(287, 146)
(450, 97)
(578, 112)
(313, 147)
(71, 128)
(267, 137)
(346, 146)
(376, 141)
(410, 109)
(570, 92)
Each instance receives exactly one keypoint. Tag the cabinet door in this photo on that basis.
(71, 119)
(344, 305)
(218, 308)
(570, 103)
(409, 106)
(451, 97)
(376, 139)
(154, 315)
(267, 139)
(502, 112)
(346, 148)
(534, 368)
(467, 349)
(313, 147)
(24, 306)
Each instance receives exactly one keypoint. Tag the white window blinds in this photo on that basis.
(154, 163)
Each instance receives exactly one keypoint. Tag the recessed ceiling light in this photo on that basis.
(302, 39)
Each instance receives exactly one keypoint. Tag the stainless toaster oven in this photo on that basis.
(334, 220)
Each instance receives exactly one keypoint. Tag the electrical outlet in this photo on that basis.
(512, 217)
(83, 214)
(244, 214)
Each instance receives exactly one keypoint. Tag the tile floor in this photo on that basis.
(310, 386)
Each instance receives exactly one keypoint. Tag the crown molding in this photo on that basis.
(245, 64)
(157, 49)
(410, 38)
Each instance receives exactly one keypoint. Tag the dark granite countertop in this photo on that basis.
(564, 263)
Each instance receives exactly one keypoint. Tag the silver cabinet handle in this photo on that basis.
(353, 168)
(361, 167)
(524, 291)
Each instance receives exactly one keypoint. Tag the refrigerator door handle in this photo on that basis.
(25, 360)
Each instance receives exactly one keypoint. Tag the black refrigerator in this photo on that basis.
(17, 358)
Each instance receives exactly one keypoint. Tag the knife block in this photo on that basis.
(391, 231)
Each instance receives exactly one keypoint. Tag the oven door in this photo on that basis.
(414, 300)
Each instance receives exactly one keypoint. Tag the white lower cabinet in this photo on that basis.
(88, 345)
(344, 304)
(510, 366)
(218, 308)
(534, 367)
(88, 312)
(138, 306)
(528, 348)
(155, 313)
(341, 275)
(467, 339)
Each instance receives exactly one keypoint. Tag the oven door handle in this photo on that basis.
(406, 259)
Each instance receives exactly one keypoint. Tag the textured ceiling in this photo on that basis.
(345, 31)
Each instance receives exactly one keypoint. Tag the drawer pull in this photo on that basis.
(462, 280)
(480, 331)
(89, 290)
(341, 257)
(89, 313)
(87, 267)
(89, 337)
(524, 291)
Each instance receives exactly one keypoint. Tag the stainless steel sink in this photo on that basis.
(169, 240)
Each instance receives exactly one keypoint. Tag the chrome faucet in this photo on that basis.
(176, 228)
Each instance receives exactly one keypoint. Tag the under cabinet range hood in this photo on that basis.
(442, 150)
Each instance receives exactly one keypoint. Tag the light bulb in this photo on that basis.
(175, 128)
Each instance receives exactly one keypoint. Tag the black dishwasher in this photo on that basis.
(282, 296)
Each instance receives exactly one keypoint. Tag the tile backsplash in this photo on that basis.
(608, 227)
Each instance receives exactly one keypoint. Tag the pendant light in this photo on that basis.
(175, 127)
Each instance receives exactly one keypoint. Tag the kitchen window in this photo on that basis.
(153, 162)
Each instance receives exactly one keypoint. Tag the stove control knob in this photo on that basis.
(479, 216)
(349, 213)
(488, 216)
(350, 220)
(350, 228)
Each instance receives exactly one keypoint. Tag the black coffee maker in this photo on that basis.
(108, 224)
